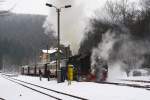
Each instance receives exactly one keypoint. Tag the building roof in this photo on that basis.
(50, 51)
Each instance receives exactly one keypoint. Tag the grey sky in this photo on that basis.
(38, 6)
(73, 20)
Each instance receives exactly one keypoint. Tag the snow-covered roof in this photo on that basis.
(50, 51)
(53, 62)
(25, 66)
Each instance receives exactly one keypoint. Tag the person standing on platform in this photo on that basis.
(40, 74)
(48, 75)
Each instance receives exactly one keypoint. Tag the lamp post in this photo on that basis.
(58, 10)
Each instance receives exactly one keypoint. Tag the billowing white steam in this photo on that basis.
(73, 20)
(121, 52)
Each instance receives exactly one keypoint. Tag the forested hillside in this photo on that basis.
(21, 38)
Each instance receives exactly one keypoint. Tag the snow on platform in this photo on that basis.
(13, 91)
(90, 90)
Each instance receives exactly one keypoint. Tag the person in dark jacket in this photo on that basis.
(40, 74)
(48, 75)
(105, 72)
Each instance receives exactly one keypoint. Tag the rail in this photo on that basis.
(77, 97)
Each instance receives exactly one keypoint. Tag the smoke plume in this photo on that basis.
(121, 52)
(72, 20)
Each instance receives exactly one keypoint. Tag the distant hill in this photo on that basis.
(22, 37)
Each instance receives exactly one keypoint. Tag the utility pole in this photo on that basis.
(58, 29)
(58, 10)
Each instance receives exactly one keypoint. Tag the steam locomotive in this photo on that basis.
(82, 63)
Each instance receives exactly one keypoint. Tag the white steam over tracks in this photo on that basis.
(121, 52)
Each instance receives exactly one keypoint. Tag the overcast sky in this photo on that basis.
(73, 20)
(38, 6)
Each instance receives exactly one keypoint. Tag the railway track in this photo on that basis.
(41, 89)
(136, 81)
(147, 87)
(2, 99)
(73, 97)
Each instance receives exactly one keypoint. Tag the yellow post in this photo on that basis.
(70, 73)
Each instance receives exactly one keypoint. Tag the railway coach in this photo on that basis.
(33, 70)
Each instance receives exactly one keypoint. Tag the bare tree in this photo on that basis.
(146, 4)
(121, 12)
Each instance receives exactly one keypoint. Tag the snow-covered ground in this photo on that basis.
(144, 78)
(13, 91)
(89, 90)
(138, 80)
